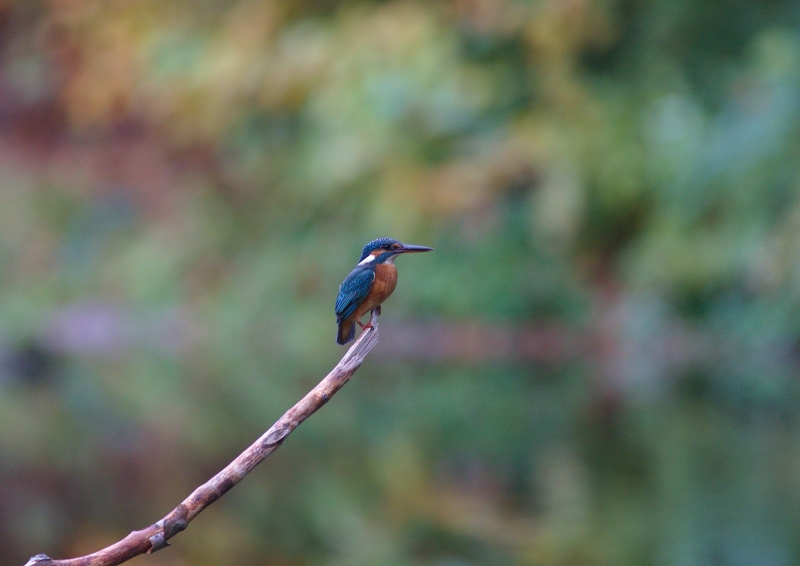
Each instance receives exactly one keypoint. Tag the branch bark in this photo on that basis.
(155, 536)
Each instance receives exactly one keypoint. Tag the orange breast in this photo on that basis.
(382, 287)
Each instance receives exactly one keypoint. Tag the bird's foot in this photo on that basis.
(364, 326)
(378, 310)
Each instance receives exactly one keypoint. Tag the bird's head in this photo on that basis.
(386, 249)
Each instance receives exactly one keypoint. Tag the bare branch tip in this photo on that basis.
(358, 351)
(39, 560)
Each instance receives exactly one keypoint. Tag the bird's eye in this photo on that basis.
(386, 247)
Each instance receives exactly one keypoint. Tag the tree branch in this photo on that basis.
(155, 536)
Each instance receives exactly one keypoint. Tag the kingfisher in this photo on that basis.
(369, 284)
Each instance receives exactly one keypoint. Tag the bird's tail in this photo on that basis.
(347, 331)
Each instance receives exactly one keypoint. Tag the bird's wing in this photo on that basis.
(352, 291)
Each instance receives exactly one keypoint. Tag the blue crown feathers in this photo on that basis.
(374, 245)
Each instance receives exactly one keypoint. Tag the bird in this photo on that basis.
(369, 284)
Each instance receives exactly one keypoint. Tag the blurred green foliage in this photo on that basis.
(597, 366)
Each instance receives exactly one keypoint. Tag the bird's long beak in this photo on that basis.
(408, 248)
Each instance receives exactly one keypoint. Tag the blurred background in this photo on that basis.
(598, 366)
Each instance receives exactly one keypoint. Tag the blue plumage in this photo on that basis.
(358, 293)
(353, 290)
